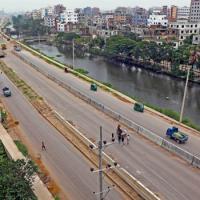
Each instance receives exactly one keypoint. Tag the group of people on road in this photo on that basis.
(122, 136)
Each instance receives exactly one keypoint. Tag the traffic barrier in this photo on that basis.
(180, 152)
(139, 129)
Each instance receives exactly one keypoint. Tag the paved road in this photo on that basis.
(61, 158)
(153, 123)
(157, 169)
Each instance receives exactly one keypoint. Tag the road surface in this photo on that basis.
(64, 162)
(162, 172)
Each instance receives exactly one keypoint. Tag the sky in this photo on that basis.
(28, 5)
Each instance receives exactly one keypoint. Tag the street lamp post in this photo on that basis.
(184, 95)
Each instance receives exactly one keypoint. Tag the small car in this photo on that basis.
(139, 107)
(6, 92)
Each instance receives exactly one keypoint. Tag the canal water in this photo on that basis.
(156, 89)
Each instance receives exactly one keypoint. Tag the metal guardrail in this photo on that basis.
(189, 157)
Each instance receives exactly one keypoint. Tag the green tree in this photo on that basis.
(16, 178)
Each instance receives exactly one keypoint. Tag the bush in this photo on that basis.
(21, 147)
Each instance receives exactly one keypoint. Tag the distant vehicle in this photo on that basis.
(93, 87)
(6, 92)
(3, 46)
(176, 135)
(139, 107)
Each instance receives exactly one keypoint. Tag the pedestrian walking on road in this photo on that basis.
(127, 139)
(43, 146)
(123, 138)
(119, 133)
(113, 137)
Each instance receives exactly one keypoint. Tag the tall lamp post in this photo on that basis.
(184, 95)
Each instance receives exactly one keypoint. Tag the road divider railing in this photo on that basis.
(187, 156)
(142, 190)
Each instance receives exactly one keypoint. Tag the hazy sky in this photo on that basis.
(24, 5)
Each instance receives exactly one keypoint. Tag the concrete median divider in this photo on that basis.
(122, 119)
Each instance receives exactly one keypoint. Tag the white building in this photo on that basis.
(185, 29)
(157, 20)
(183, 12)
(69, 16)
(195, 11)
(61, 26)
(49, 21)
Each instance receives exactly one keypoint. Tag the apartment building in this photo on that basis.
(50, 21)
(183, 13)
(69, 16)
(185, 29)
(157, 20)
(195, 11)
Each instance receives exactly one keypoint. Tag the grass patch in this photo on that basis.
(81, 71)
(174, 115)
(22, 148)
(26, 90)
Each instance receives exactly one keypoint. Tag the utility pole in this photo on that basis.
(101, 146)
(73, 54)
(184, 95)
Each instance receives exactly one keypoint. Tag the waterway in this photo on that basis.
(156, 89)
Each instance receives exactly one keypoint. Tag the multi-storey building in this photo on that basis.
(195, 11)
(173, 13)
(49, 21)
(47, 11)
(165, 10)
(183, 12)
(87, 11)
(157, 20)
(69, 16)
(119, 17)
(185, 29)
(140, 16)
